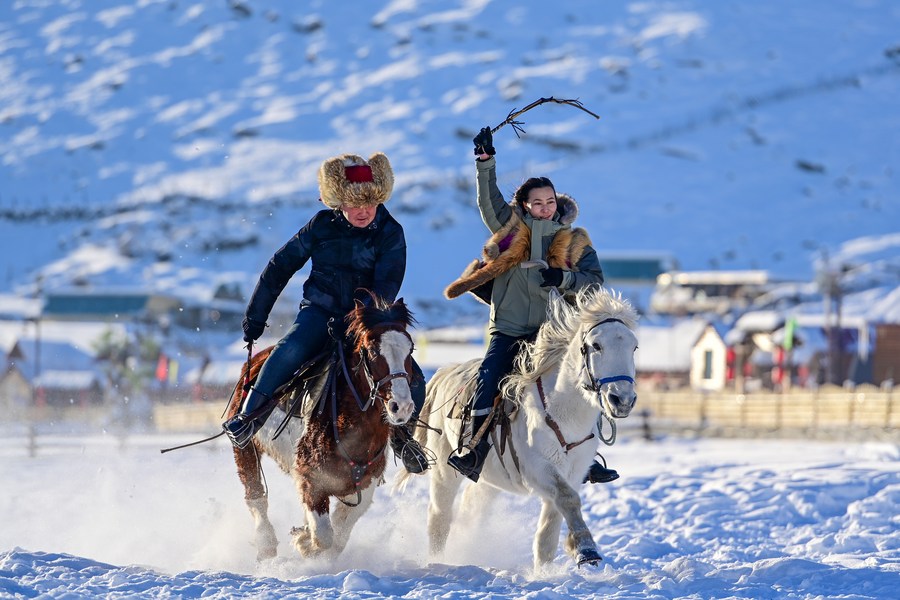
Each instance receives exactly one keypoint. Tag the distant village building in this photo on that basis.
(886, 355)
(108, 305)
(48, 373)
(663, 358)
(709, 361)
(634, 274)
(684, 293)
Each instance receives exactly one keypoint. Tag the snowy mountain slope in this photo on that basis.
(173, 144)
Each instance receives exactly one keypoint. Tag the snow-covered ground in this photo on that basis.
(102, 517)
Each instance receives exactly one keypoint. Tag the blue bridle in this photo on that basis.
(596, 384)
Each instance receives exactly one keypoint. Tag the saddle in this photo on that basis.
(307, 389)
(502, 413)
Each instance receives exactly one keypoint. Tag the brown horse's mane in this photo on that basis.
(363, 319)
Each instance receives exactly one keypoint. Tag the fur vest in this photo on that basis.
(511, 245)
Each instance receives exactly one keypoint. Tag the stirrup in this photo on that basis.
(240, 430)
(250, 418)
(409, 451)
(471, 464)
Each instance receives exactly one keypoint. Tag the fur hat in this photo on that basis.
(349, 181)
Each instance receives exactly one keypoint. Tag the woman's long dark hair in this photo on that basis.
(521, 195)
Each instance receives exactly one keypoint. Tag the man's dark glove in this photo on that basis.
(484, 142)
(553, 277)
(253, 329)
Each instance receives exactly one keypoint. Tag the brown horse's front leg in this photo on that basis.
(316, 535)
(250, 473)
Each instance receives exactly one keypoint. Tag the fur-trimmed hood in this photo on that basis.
(566, 208)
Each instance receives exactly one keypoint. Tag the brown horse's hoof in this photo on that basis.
(305, 543)
(302, 541)
(266, 554)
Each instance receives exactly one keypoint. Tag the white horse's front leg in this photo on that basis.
(344, 517)
(580, 544)
(546, 539)
(444, 486)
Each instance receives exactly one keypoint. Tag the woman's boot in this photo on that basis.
(598, 473)
(470, 464)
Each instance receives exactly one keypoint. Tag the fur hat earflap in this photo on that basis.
(349, 181)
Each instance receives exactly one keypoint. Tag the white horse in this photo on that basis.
(580, 366)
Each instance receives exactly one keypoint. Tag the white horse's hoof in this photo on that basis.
(588, 556)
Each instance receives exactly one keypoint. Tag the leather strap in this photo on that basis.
(554, 425)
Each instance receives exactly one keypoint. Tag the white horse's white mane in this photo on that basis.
(563, 325)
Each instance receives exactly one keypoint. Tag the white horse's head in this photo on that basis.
(607, 349)
(594, 335)
(607, 345)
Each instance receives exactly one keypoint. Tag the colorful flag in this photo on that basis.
(789, 328)
(162, 368)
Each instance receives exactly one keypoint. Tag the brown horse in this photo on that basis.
(336, 447)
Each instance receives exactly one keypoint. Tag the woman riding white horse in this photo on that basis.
(534, 230)
(581, 366)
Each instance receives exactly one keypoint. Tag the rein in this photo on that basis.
(358, 469)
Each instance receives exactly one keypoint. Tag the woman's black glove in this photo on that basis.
(253, 329)
(484, 142)
(553, 277)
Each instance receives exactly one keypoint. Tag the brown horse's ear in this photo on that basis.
(400, 301)
(358, 305)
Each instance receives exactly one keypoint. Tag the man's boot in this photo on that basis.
(241, 427)
(470, 464)
(598, 473)
(408, 450)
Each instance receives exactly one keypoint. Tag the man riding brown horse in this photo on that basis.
(353, 245)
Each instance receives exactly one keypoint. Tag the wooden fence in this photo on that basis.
(830, 412)
(865, 411)
(194, 416)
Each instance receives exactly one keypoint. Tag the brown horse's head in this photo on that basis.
(378, 334)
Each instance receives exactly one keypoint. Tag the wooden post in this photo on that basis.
(32, 440)
(645, 425)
